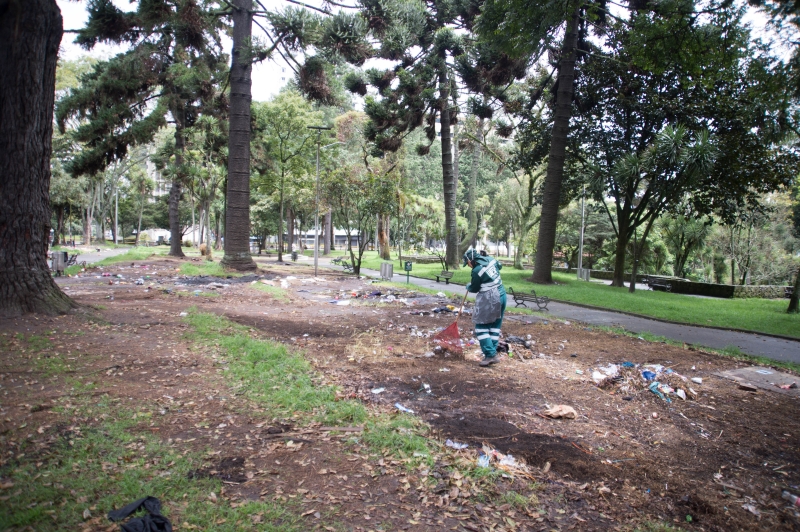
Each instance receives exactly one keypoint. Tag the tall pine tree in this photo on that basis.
(172, 68)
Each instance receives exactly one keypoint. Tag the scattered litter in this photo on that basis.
(579, 371)
(403, 409)
(752, 509)
(791, 386)
(376, 391)
(561, 411)
(681, 394)
(628, 365)
(426, 387)
(654, 387)
(508, 460)
(444, 370)
(648, 375)
(483, 460)
(794, 499)
(697, 380)
(455, 445)
(183, 314)
(440, 294)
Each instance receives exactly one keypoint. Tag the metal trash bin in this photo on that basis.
(294, 256)
(387, 271)
(59, 262)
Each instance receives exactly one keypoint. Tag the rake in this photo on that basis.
(448, 338)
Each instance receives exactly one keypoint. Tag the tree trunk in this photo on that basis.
(280, 221)
(176, 190)
(328, 238)
(209, 251)
(87, 227)
(793, 301)
(139, 225)
(543, 268)
(448, 179)
(618, 280)
(30, 34)
(237, 214)
(59, 225)
(383, 237)
(289, 229)
(217, 228)
(472, 212)
(637, 252)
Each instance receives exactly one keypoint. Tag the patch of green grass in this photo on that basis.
(100, 467)
(753, 314)
(35, 342)
(51, 364)
(205, 267)
(200, 294)
(400, 435)
(276, 292)
(133, 254)
(519, 501)
(282, 381)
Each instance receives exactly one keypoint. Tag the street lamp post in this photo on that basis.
(319, 129)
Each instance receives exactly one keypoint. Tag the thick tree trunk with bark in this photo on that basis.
(383, 237)
(175, 192)
(30, 34)
(621, 249)
(543, 267)
(452, 257)
(58, 233)
(331, 240)
(794, 307)
(328, 233)
(280, 221)
(289, 230)
(237, 214)
(472, 212)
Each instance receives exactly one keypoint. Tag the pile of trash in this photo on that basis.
(629, 379)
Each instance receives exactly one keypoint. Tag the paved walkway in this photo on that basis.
(95, 256)
(749, 343)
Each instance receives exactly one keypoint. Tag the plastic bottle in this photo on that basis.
(794, 499)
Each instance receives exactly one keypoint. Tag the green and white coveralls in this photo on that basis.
(490, 302)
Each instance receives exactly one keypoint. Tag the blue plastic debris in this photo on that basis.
(648, 375)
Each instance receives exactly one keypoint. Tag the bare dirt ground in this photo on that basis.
(628, 459)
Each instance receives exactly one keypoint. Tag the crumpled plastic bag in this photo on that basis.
(561, 412)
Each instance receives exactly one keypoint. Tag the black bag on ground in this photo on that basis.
(152, 522)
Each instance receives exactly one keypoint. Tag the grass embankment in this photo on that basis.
(284, 384)
(132, 254)
(101, 455)
(757, 315)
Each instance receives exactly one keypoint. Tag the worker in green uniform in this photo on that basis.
(490, 302)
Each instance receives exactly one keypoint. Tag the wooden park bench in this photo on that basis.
(446, 275)
(659, 284)
(523, 299)
(344, 263)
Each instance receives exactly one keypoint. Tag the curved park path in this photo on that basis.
(780, 349)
